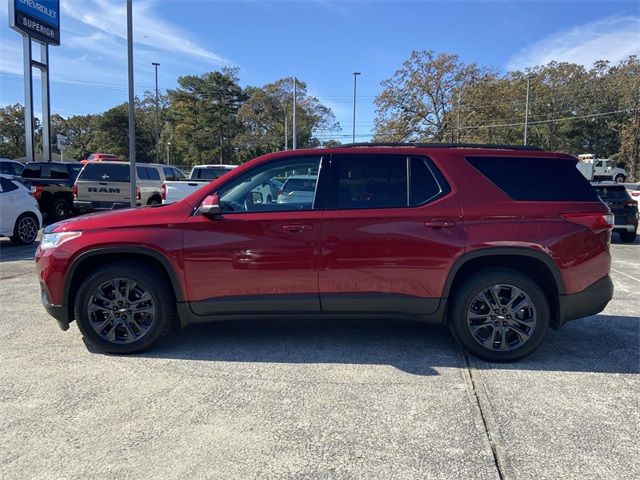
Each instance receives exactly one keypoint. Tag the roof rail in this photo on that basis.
(442, 145)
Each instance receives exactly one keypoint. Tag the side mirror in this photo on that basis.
(210, 206)
(256, 197)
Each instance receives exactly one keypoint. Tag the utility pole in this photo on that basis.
(526, 112)
(286, 131)
(132, 109)
(156, 65)
(295, 101)
(355, 81)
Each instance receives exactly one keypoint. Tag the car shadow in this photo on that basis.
(14, 253)
(600, 344)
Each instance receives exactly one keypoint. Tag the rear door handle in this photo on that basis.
(296, 227)
(439, 223)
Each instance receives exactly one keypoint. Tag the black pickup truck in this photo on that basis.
(52, 185)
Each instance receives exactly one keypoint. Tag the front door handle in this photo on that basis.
(296, 227)
(439, 223)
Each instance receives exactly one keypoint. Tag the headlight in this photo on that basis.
(52, 240)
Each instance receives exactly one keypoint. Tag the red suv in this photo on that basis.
(480, 238)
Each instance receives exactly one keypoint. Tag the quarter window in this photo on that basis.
(7, 185)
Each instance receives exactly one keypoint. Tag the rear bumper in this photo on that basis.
(625, 228)
(588, 302)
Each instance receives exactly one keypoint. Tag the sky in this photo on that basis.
(322, 42)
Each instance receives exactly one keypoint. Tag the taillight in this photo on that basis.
(75, 191)
(138, 194)
(164, 192)
(36, 191)
(631, 203)
(597, 222)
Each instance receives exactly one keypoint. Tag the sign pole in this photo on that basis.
(28, 99)
(46, 104)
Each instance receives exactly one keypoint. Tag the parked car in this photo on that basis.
(52, 186)
(11, 168)
(481, 239)
(600, 169)
(298, 189)
(105, 185)
(623, 207)
(102, 157)
(20, 218)
(201, 175)
(635, 192)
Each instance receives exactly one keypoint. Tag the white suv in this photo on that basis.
(20, 218)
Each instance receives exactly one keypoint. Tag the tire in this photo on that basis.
(468, 299)
(25, 230)
(619, 178)
(60, 209)
(143, 329)
(628, 237)
(154, 201)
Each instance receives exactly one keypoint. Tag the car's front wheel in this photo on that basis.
(25, 230)
(620, 178)
(124, 308)
(499, 315)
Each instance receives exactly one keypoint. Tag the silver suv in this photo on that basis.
(105, 185)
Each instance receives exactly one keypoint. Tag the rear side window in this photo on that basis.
(210, 173)
(613, 192)
(105, 172)
(536, 179)
(31, 171)
(7, 185)
(365, 181)
(152, 173)
(143, 173)
(59, 172)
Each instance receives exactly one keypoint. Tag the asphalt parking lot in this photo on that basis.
(365, 400)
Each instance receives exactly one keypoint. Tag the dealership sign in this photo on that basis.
(40, 19)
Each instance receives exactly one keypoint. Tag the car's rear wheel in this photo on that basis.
(499, 315)
(124, 308)
(628, 237)
(154, 201)
(60, 209)
(25, 229)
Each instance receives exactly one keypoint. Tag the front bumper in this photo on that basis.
(59, 312)
(588, 302)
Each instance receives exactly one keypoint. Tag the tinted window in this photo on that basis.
(536, 179)
(152, 173)
(426, 182)
(612, 192)
(143, 173)
(364, 181)
(31, 170)
(210, 173)
(169, 174)
(59, 171)
(105, 172)
(7, 185)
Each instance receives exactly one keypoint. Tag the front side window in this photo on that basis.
(59, 172)
(168, 174)
(283, 185)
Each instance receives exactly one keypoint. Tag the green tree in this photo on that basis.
(416, 102)
(203, 116)
(269, 108)
(12, 143)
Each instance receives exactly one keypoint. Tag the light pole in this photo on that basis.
(132, 108)
(526, 112)
(156, 65)
(168, 148)
(355, 82)
(295, 102)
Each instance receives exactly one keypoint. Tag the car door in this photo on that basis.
(9, 208)
(258, 256)
(389, 236)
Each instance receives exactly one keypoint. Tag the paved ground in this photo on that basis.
(365, 400)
